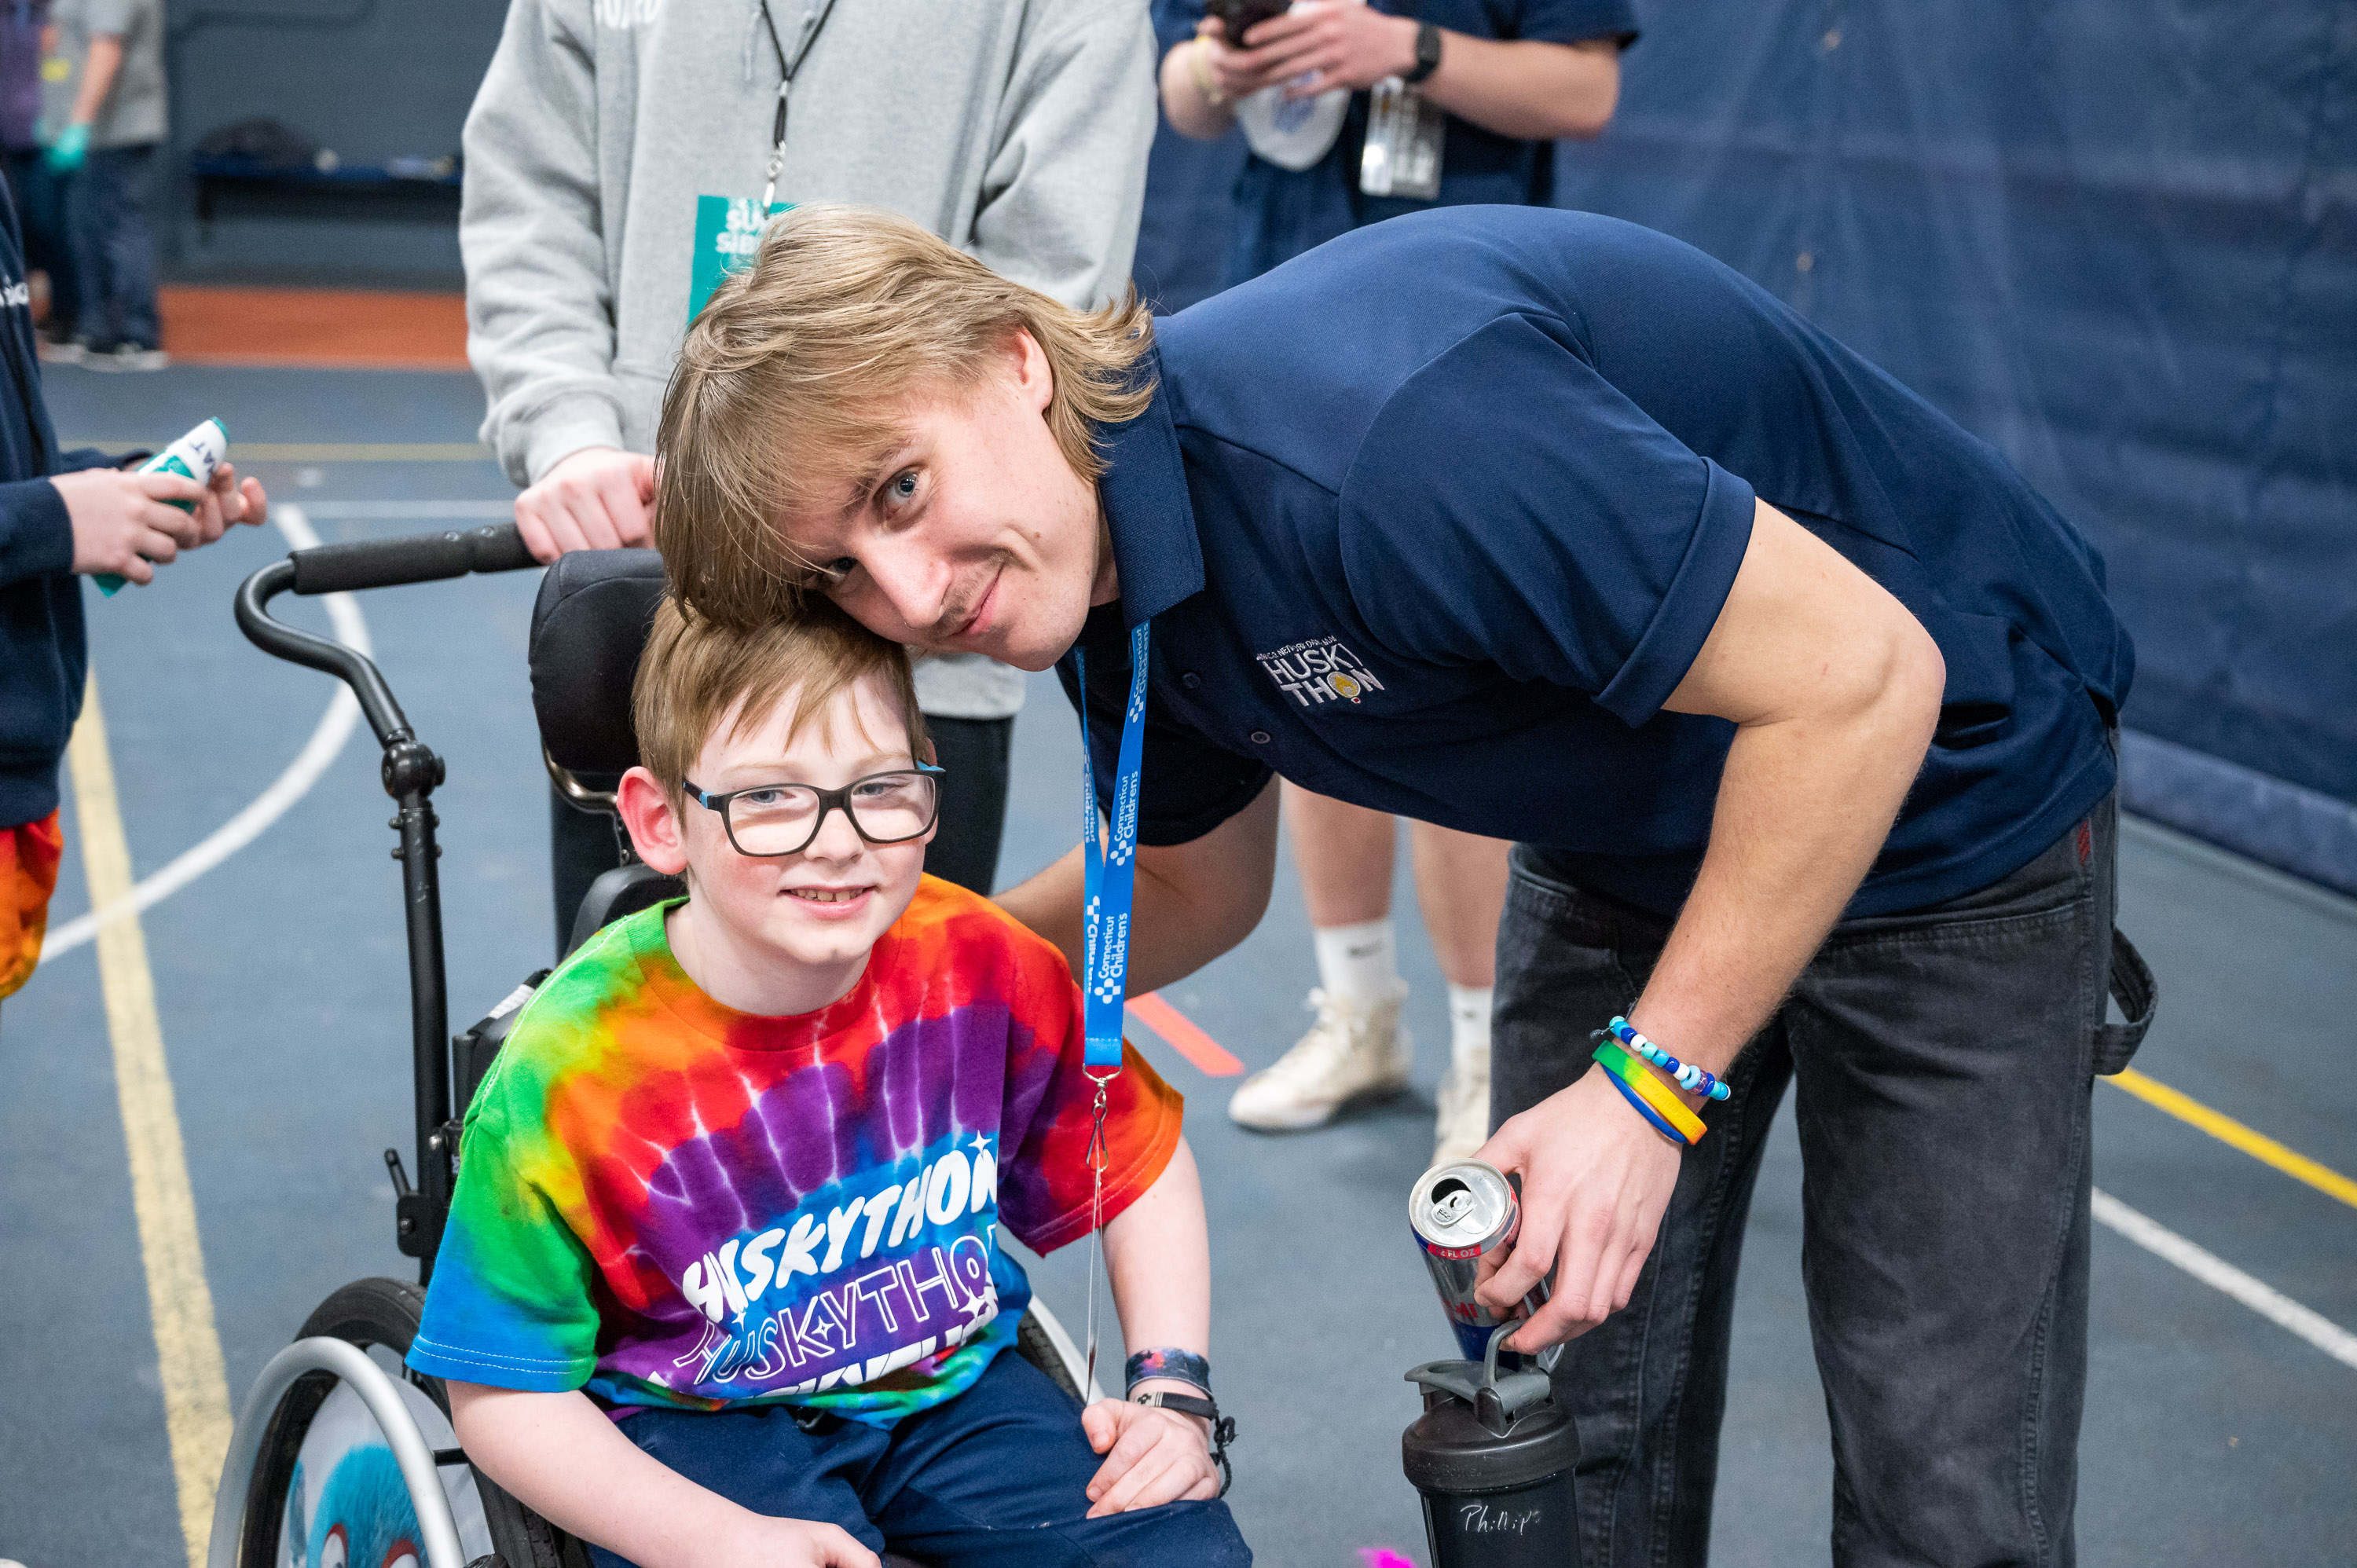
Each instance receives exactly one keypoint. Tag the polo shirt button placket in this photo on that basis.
(1190, 680)
(1259, 737)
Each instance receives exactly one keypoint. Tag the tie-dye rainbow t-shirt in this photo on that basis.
(672, 1203)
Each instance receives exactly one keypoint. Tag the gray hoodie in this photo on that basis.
(1016, 129)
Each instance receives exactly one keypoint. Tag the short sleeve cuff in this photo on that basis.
(1577, 21)
(524, 1374)
(1160, 833)
(1690, 608)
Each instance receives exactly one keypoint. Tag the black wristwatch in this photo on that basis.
(1428, 53)
(1223, 1427)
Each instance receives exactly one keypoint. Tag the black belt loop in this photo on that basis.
(2133, 988)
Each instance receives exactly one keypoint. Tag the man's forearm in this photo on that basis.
(97, 77)
(1172, 935)
(1803, 808)
(1527, 87)
(1194, 901)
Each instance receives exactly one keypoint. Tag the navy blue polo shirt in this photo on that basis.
(1436, 517)
(1281, 213)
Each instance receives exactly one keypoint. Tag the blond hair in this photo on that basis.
(797, 376)
(695, 668)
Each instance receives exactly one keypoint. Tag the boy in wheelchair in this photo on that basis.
(719, 1284)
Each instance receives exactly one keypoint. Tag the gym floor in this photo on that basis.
(2219, 1427)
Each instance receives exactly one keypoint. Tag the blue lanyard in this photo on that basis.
(1107, 887)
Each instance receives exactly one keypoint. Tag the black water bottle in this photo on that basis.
(1492, 1456)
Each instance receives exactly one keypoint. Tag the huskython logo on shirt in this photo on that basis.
(768, 1331)
(1321, 670)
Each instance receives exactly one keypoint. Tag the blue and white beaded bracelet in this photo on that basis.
(1691, 1079)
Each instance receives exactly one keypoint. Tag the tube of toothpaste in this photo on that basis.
(194, 456)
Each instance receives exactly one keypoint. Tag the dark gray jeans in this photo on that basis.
(1943, 1059)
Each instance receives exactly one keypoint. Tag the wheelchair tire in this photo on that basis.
(1033, 1343)
(369, 1314)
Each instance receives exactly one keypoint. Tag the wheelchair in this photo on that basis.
(341, 1457)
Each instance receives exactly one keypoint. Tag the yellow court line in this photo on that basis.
(327, 451)
(2227, 1129)
(179, 1302)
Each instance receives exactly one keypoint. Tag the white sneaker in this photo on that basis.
(1355, 1051)
(126, 356)
(1463, 1125)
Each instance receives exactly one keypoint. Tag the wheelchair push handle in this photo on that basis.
(417, 558)
(410, 772)
(367, 564)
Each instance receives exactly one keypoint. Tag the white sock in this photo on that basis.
(1468, 1024)
(1359, 962)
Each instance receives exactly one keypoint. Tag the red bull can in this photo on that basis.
(1460, 1211)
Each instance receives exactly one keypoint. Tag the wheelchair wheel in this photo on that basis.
(327, 1492)
(1037, 1343)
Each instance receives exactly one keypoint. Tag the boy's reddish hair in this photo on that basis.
(695, 668)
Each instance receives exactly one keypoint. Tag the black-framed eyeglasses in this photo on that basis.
(770, 820)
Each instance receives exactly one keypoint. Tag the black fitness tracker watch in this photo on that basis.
(1428, 53)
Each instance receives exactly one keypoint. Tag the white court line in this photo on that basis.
(333, 728)
(501, 509)
(2215, 1272)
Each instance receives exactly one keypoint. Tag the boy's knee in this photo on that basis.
(1174, 1535)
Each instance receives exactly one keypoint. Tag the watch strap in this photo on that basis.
(1223, 1427)
(1428, 53)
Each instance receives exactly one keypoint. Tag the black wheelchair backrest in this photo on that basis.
(587, 630)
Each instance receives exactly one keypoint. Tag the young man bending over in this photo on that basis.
(721, 1284)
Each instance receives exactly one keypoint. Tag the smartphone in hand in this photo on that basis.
(1238, 17)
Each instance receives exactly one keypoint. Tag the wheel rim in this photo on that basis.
(327, 1491)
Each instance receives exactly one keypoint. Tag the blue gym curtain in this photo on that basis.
(2118, 240)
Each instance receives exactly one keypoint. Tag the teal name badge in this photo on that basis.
(728, 233)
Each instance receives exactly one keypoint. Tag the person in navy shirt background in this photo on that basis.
(1511, 75)
(1798, 699)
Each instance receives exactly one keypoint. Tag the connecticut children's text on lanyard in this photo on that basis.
(1109, 874)
(1108, 878)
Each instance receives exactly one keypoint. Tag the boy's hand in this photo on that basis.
(1152, 1456)
(122, 523)
(762, 1542)
(226, 502)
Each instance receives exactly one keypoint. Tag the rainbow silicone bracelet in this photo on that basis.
(1657, 1094)
(1691, 1079)
(1647, 1111)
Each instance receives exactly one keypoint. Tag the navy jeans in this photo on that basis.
(115, 251)
(993, 1479)
(1942, 1059)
